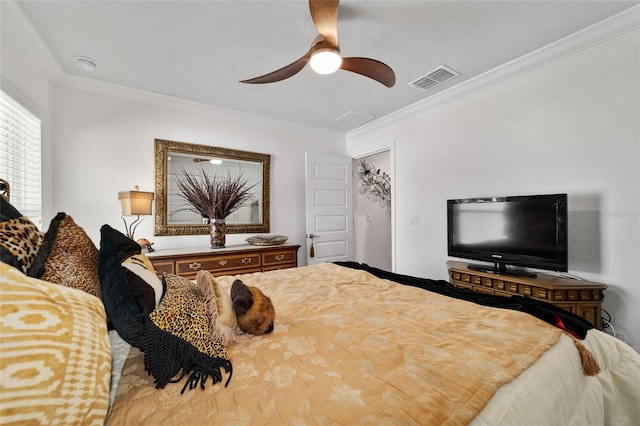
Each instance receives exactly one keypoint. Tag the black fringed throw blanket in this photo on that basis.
(547, 312)
(178, 339)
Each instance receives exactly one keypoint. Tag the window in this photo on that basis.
(20, 157)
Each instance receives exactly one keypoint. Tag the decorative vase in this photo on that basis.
(218, 232)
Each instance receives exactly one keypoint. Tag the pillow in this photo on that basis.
(254, 310)
(179, 340)
(20, 239)
(54, 352)
(224, 304)
(222, 317)
(67, 257)
(146, 287)
(130, 287)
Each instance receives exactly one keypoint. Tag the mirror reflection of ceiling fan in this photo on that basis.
(324, 55)
(208, 160)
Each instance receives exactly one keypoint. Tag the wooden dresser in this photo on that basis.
(583, 298)
(239, 259)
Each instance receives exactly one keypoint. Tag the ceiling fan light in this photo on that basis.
(325, 61)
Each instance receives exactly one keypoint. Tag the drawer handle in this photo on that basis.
(222, 262)
(280, 257)
(195, 266)
(246, 260)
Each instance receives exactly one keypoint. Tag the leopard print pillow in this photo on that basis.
(179, 339)
(20, 240)
(68, 257)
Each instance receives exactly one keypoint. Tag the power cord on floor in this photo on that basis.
(606, 323)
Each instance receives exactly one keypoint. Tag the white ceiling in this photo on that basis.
(199, 50)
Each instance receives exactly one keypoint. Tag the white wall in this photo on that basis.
(570, 126)
(105, 144)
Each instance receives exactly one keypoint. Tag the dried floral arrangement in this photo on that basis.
(374, 185)
(211, 196)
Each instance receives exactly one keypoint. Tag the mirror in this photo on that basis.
(173, 215)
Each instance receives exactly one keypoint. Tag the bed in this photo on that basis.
(350, 344)
(352, 348)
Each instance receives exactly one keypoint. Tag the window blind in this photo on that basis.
(20, 157)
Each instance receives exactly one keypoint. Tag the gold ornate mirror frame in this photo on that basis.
(164, 198)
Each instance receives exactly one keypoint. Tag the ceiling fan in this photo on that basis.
(324, 54)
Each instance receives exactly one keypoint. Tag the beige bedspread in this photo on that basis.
(350, 348)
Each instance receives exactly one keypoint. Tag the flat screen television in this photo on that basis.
(527, 231)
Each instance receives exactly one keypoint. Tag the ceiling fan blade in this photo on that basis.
(324, 14)
(376, 70)
(280, 74)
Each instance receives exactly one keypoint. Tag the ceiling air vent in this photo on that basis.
(434, 78)
(355, 118)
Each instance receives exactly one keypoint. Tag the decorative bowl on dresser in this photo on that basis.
(583, 298)
(240, 259)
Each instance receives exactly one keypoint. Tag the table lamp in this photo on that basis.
(134, 203)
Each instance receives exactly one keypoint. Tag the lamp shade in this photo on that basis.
(135, 202)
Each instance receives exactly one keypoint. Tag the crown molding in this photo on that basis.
(15, 22)
(91, 85)
(616, 25)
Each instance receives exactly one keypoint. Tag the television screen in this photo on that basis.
(527, 231)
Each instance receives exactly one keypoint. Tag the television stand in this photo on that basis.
(583, 298)
(501, 268)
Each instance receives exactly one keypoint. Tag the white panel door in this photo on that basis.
(329, 208)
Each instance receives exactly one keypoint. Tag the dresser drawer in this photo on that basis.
(241, 260)
(219, 263)
(277, 258)
(163, 267)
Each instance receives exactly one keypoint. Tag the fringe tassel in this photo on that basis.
(166, 356)
(590, 365)
(226, 335)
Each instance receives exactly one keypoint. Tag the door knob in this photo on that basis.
(312, 250)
